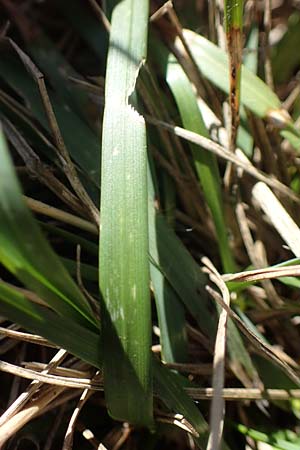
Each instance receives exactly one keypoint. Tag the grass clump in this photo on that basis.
(149, 238)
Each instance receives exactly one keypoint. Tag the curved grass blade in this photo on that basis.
(61, 331)
(25, 252)
(205, 163)
(124, 267)
(207, 169)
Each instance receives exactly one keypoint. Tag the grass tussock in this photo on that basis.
(149, 225)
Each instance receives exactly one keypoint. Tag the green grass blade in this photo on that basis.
(207, 169)
(25, 252)
(44, 322)
(171, 319)
(181, 270)
(205, 163)
(170, 310)
(124, 266)
(269, 438)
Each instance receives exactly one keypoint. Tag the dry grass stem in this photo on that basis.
(63, 154)
(25, 337)
(21, 401)
(223, 153)
(77, 383)
(58, 214)
(263, 274)
(217, 410)
(69, 437)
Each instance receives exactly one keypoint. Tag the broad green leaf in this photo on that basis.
(25, 252)
(62, 331)
(124, 267)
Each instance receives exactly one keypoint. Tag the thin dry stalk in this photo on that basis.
(69, 437)
(253, 253)
(63, 154)
(241, 394)
(21, 418)
(266, 43)
(21, 401)
(223, 153)
(58, 214)
(179, 421)
(259, 345)
(100, 14)
(38, 170)
(25, 337)
(217, 411)
(55, 380)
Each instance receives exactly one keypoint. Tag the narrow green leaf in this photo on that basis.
(170, 310)
(206, 163)
(77, 340)
(124, 267)
(25, 252)
(208, 173)
(268, 438)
